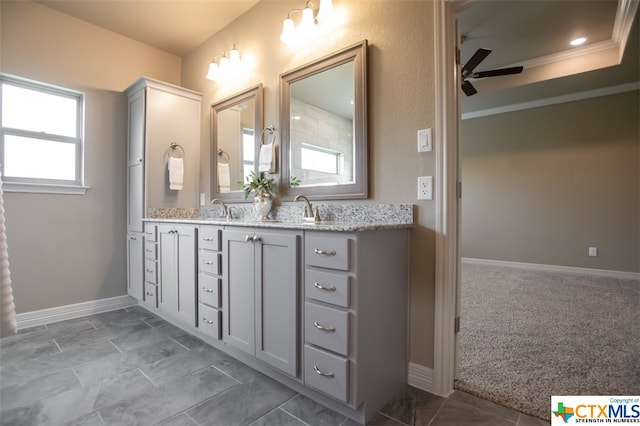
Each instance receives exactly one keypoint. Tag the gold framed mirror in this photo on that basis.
(323, 124)
(236, 127)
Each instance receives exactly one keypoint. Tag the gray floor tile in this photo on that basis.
(377, 420)
(79, 402)
(179, 420)
(34, 390)
(49, 333)
(144, 336)
(181, 364)
(311, 412)
(483, 404)
(234, 368)
(413, 407)
(525, 420)
(27, 350)
(189, 341)
(22, 372)
(168, 400)
(277, 417)
(458, 413)
(91, 420)
(117, 363)
(242, 404)
(88, 337)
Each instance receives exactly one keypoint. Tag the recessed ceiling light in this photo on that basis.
(578, 41)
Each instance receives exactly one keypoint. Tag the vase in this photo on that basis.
(262, 204)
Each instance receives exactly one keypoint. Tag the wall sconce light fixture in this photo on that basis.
(227, 66)
(308, 21)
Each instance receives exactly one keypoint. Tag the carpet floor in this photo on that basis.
(527, 335)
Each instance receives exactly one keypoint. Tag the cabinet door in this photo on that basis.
(135, 163)
(276, 300)
(238, 290)
(135, 265)
(177, 267)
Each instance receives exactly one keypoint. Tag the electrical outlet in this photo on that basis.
(425, 188)
(593, 251)
(202, 199)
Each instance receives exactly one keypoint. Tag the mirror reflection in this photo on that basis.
(236, 127)
(321, 146)
(323, 111)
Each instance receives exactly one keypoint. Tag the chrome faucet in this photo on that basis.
(226, 213)
(308, 208)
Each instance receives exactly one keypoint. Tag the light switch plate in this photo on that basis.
(202, 199)
(424, 140)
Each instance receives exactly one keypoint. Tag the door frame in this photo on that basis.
(446, 196)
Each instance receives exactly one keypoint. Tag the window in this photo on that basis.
(321, 159)
(41, 144)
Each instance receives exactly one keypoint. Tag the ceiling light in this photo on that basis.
(578, 41)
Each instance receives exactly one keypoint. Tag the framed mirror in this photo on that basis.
(236, 127)
(323, 124)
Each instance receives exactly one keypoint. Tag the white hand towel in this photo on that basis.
(176, 173)
(224, 180)
(267, 162)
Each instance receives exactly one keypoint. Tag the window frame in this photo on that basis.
(39, 185)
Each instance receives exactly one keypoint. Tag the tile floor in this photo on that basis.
(130, 367)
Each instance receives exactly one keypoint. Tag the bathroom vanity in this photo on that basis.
(322, 308)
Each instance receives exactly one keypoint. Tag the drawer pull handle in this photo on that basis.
(322, 373)
(207, 238)
(323, 328)
(149, 250)
(133, 238)
(208, 262)
(206, 321)
(149, 270)
(321, 287)
(207, 290)
(325, 252)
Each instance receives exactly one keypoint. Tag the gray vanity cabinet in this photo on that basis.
(177, 271)
(261, 285)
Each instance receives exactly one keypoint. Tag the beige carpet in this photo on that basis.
(526, 335)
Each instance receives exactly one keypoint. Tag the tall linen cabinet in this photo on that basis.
(159, 114)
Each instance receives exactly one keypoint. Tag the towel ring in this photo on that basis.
(224, 156)
(272, 131)
(173, 150)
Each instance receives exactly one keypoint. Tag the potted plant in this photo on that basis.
(264, 189)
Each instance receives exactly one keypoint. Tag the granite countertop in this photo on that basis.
(291, 224)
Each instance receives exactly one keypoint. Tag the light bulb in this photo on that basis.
(307, 22)
(325, 12)
(234, 59)
(288, 31)
(214, 71)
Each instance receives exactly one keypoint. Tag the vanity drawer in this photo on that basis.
(326, 252)
(150, 233)
(150, 250)
(327, 327)
(327, 287)
(210, 321)
(150, 271)
(326, 372)
(151, 295)
(209, 238)
(209, 290)
(209, 262)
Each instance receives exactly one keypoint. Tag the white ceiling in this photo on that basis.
(175, 26)
(533, 33)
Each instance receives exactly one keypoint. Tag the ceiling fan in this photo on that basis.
(467, 71)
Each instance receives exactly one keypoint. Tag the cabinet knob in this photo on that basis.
(323, 328)
(139, 160)
(321, 287)
(322, 373)
(206, 321)
(256, 239)
(248, 238)
(325, 252)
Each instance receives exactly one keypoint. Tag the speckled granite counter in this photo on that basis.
(338, 217)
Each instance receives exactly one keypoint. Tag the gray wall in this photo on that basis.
(66, 249)
(544, 184)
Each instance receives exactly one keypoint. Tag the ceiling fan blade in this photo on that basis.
(468, 88)
(494, 73)
(473, 62)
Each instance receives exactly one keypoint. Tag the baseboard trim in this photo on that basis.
(420, 377)
(555, 268)
(76, 310)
